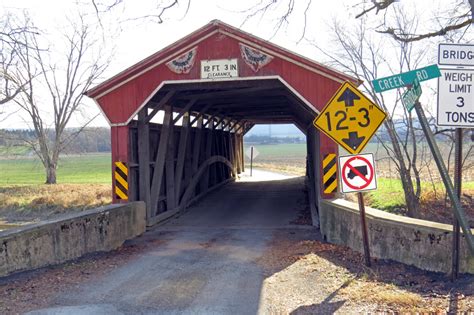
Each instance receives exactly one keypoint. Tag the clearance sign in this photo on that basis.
(350, 118)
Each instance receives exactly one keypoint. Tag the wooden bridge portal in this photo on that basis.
(178, 117)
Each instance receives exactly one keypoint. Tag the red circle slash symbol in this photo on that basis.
(367, 180)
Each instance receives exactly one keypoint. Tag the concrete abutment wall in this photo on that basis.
(424, 244)
(69, 237)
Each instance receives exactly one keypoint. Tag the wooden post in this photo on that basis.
(241, 149)
(232, 151)
(144, 160)
(237, 159)
(188, 163)
(160, 160)
(183, 139)
(170, 168)
(207, 155)
(197, 145)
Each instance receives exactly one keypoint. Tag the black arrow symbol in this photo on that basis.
(354, 141)
(348, 97)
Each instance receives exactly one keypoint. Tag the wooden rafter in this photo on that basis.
(159, 105)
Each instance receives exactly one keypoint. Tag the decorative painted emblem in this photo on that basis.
(255, 59)
(184, 63)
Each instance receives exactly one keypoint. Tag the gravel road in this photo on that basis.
(237, 251)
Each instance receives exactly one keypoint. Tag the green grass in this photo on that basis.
(90, 168)
(389, 195)
(280, 150)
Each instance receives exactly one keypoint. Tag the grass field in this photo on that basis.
(90, 168)
(84, 180)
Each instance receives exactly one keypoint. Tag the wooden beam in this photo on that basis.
(230, 140)
(183, 139)
(160, 160)
(237, 154)
(207, 155)
(277, 111)
(186, 109)
(211, 118)
(144, 161)
(242, 155)
(159, 105)
(197, 146)
(264, 102)
(219, 122)
(188, 162)
(240, 128)
(170, 168)
(201, 113)
(197, 176)
(248, 127)
(230, 92)
(227, 124)
(233, 126)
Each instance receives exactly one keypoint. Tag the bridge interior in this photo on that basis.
(196, 144)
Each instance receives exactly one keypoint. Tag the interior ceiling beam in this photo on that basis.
(184, 110)
(234, 109)
(219, 85)
(271, 121)
(201, 112)
(159, 105)
(259, 112)
(267, 117)
(229, 93)
(242, 103)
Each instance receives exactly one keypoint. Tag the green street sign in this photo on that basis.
(406, 78)
(412, 95)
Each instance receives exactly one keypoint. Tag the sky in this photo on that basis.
(134, 39)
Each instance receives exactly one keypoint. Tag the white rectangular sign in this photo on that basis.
(456, 98)
(357, 173)
(456, 54)
(218, 69)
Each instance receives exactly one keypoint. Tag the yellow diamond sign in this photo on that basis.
(350, 118)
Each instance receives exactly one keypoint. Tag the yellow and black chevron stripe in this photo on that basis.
(330, 173)
(121, 180)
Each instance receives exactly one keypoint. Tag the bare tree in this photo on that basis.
(54, 83)
(154, 13)
(363, 57)
(11, 46)
(456, 15)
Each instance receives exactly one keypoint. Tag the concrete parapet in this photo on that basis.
(424, 244)
(70, 236)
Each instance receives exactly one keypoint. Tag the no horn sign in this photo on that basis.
(357, 173)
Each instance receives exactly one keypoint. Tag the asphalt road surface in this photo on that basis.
(207, 262)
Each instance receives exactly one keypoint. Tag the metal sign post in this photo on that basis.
(363, 223)
(458, 211)
(457, 187)
(251, 160)
(357, 173)
(251, 153)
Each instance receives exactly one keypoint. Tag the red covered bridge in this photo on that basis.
(210, 88)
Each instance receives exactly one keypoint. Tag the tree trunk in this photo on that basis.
(411, 199)
(51, 174)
